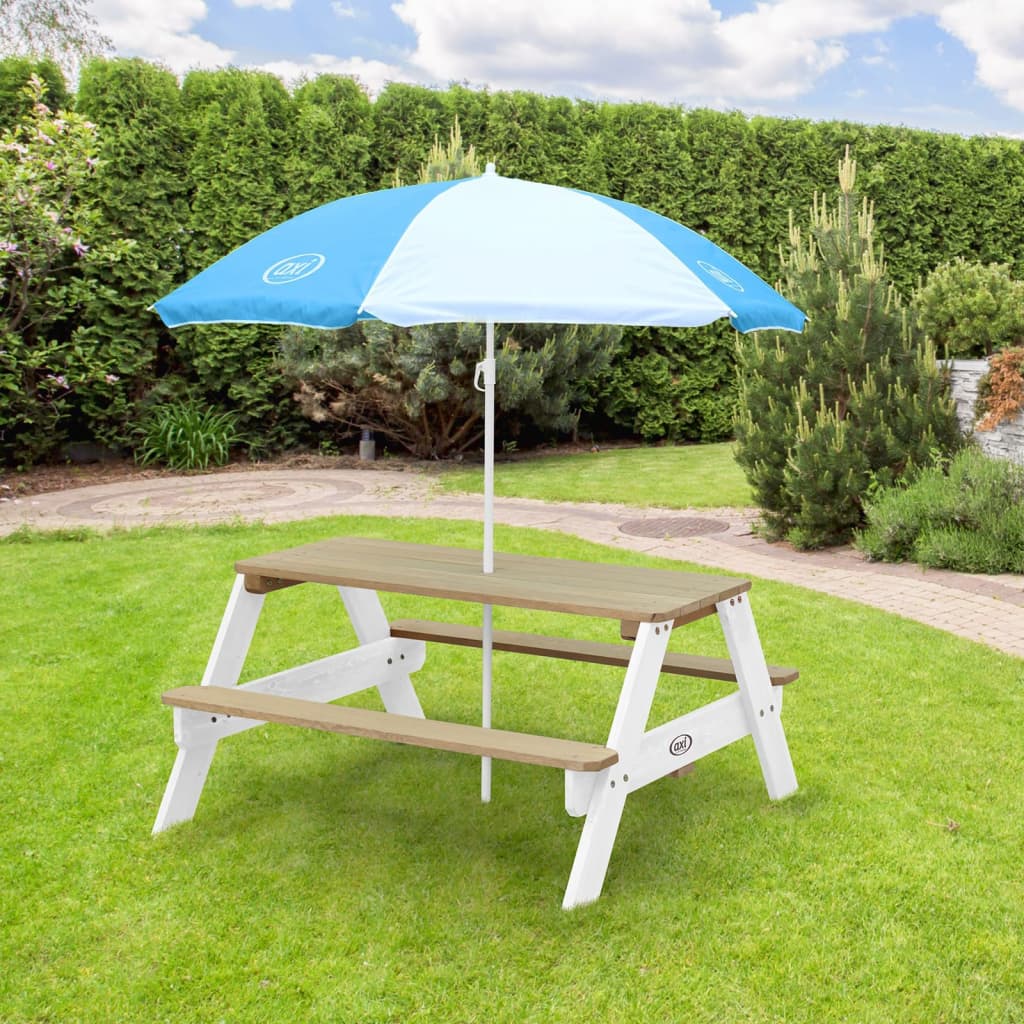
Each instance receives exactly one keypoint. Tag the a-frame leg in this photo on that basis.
(370, 623)
(762, 702)
(611, 786)
(192, 764)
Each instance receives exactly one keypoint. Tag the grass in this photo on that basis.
(326, 879)
(693, 476)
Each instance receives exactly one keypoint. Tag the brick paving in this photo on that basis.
(988, 609)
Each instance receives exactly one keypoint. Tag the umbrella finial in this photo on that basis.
(489, 169)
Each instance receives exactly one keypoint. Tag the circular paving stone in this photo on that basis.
(676, 526)
(222, 498)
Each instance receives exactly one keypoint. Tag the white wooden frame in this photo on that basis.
(385, 662)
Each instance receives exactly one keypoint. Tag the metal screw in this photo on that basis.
(213, 718)
(771, 707)
(625, 778)
(613, 783)
(762, 712)
(389, 661)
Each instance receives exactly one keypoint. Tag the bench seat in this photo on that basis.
(527, 748)
(593, 651)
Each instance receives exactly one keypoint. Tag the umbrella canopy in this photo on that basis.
(480, 249)
(486, 249)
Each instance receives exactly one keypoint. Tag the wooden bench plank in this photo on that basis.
(595, 652)
(527, 748)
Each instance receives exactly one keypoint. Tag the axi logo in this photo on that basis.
(294, 268)
(720, 275)
(680, 745)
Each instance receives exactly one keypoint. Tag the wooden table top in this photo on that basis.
(519, 581)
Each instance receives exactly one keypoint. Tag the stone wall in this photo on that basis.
(1007, 440)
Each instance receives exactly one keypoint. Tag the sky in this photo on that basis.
(944, 65)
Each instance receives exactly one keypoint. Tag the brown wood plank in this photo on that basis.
(418, 732)
(593, 651)
(523, 581)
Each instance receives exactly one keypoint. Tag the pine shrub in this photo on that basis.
(853, 403)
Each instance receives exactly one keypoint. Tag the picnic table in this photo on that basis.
(648, 603)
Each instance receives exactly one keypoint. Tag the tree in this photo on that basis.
(241, 126)
(47, 227)
(852, 404)
(140, 192)
(16, 101)
(63, 30)
(330, 149)
(415, 386)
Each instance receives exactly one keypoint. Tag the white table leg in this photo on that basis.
(762, 704)
(185, 786)
(611, 785)
(370, 623)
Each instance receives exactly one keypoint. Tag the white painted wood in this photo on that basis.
(605, 810)
(370, 624)
(579, 789)
(184, 787)
(686, 739)
(237, 626)
(326, 679)
(223, 668)
(760, 700)
(595, 849)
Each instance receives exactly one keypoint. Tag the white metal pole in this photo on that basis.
(488, 624)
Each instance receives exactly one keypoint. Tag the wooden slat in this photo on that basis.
(522, 581)
(382, 725)
(593, 651)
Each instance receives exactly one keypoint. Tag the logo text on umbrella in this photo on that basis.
(720, 275)
(294, 268)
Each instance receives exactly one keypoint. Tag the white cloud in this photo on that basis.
(373, 74)
(160, 30)
(267, 5)
(343, 10)
(994, 33)
(682, 50)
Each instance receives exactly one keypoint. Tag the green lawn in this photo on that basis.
(328, 879)
(694, 476)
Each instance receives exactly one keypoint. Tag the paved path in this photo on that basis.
(989, 609)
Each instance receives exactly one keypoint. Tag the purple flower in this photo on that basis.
(81, 250)
(8, 246)
(58, 378)
(112, 378)
(50, 165)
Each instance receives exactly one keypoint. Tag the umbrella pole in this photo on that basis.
(488, 623)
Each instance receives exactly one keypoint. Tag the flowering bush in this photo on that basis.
(45, 224)
(1001, 390)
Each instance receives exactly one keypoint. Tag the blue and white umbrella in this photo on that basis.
(486, 249)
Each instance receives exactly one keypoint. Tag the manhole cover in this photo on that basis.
(677, 526)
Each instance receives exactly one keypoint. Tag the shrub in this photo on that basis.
(47, 231)
(969, 518)
(1001, 390)
(184, 435)
(971, 309)
(852, 403)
